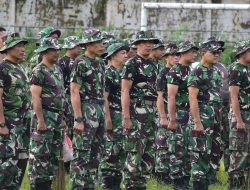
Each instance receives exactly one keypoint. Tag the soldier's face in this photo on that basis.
(145, 47)
(191, 55)
(172, 59)
(96, 47)
(246, 57)
(159, 52)
(52, 55)
(212, 57)
(120, 56)
(76, 50)
(2, 34)
(17, 52)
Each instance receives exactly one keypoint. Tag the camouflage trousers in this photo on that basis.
(178, 141)
(88, 147)
(113, 159)
(69, 115)
(206, 148)
(239, 148)
(140, 147)
(14, 149)
(45, 148)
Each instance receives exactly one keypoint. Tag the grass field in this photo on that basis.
(153, 185)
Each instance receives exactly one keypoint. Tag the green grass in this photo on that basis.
(152, 183)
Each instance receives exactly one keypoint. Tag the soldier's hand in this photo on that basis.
(172, 125)
(127, 123)
(109, 125)
(164, 122)
(199, 127)
(79, 128)
(241, 126)
(41, 127)
(4, 131)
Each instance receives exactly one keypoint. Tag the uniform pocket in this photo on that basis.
(5, 150)
(198, 142)
(238, 140)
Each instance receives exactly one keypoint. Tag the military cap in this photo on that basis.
(185, 46)
(171, 48)
(71, 42)
(48, 43)
(159, 44)
(241, 47)
(92, 35)
(115, 47)
(11, 40)
(145, 36)
(46, 32)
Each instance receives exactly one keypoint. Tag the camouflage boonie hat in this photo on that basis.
(92, 35)
(212, 44)
(11, 40)
(46, 32)
(171, 49)
(71, 42)
(186, 46)
(115, 47)
(214, 39)
(241, 47)
(159, 44)
(145, 36)
(48, 43)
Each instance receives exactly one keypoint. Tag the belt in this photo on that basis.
(144, 102)
(100, 102)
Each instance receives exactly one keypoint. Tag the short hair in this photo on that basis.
(2, 29)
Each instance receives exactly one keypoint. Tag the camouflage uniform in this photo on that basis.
(45, 148)
(206, 147)
(89, 74)
(16, 109)
(239, 140)
(139, 141)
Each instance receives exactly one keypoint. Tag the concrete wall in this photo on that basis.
(30, 15)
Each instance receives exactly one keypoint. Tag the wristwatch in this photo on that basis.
(78, 119)
(2, 124)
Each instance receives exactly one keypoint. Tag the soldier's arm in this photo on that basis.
(194, 106)
(2, 120)
(75, 99)
(234, 93)
(107, 111)
(160, 105)
(36, 92)
(172, 91)
(125, 97)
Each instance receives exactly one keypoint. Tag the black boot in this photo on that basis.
(46, 185)
(237, 183)
(186, 184)
(178, 184)
(200, 185)
(111, 183)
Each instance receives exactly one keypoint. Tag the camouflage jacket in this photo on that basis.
(113, 86)
(15, 85)
(66, 65)
(240, 76)
(51, 81)
(89, 74)
(178, 75)
(162, 82)
(209, 83)
(143, 73)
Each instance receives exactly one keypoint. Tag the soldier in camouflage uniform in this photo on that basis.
(139, 77)
(47, 124)
(2, 36)
(114, 157)
(87, 86)
(204, 84)
(48, 32)
(158, 51)
(162, 155)
(239, 81)
(73, 45)
(14, 111)
(178, 110)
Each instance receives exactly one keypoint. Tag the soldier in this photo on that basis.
(73, 45)
(204, 84)
(47, 124)
(87, 86)
(178, 110)
(2, 34)
(139, 96)
(14, 109)
(162, 155)
(114, 158)
(239, 81)
(48, 32)
(158, 51)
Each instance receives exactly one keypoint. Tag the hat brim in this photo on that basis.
(40, 50)
(76, 44)
(242, 51)
(58, 32)
(92, 41)
(170, 53)
(154, 40)
(4, 49)
(116, 50)
(193, 47)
